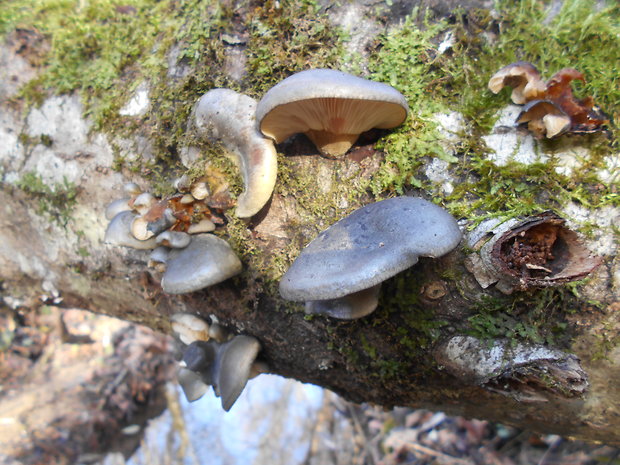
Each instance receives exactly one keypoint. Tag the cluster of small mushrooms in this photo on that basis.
(339, 273)
(549, 109)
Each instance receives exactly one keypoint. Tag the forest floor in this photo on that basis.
(75, 386)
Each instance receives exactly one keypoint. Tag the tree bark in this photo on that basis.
(397, 356)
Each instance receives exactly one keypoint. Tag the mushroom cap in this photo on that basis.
(228, 117)
(174, 239)
(190, 328)
(117, 206)
(523, 77)
(326, 104)
(119, 232)
(544, 117)
(234, 367)
(206, 261)
(368, 246)
(192, 384)
(200, 357)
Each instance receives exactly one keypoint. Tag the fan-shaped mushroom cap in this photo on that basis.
(174, 239)
(544, 118)
(158, 258)
(190, 328)
(228, 117)
(523, 77)
(207, 260)
(119, 232)
(331, 107)
(235, 366)
(192, 384)
(369, 246)
(117, 206)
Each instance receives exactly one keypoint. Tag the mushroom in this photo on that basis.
(174, 239)
(225, 116)
(119, 232)
(227, 367)
(190, 328)
(158, 258)
(544, 118)
(192, 384)
(365, 248)
(524, 79)
(117, 206)
(203, 226)
(206, 261)
(332, 108)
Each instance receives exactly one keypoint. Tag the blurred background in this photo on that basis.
(81, 388)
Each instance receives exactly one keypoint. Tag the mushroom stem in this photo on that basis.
(349, 307)
(330, 144)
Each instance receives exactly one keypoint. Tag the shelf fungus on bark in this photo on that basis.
(226, 366)
(206, 261)
(526, 372)
(520, 254)
(339, 273)
(550, 109)
(227, 117)
(119, 232)
(332, 108)
(524, 79)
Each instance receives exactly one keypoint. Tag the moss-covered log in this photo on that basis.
(102, 95)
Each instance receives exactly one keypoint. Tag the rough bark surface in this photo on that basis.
(365, 360)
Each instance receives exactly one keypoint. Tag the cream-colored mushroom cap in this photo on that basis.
(331, 107)
(225, 116)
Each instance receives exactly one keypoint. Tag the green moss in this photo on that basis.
(56, 201)
(287, 37)
(539, 317)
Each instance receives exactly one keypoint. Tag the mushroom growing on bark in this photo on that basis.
(339, 272)
(206, 261)
(227, 367)
(550, 108)
(227, 117)
(544, 118)
(332, 108)
(119, 232)
(524, 79)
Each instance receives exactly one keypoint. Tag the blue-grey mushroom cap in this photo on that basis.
(234, 366)
(119, 232)
(369, 246)
(192, 384)
(206, 261)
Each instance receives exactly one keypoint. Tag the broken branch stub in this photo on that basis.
(539, 251)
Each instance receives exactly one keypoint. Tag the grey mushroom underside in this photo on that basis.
(369, 246)
(192, 384)
(206, 261)
(119, 233)
(350, 307)
(234, 367)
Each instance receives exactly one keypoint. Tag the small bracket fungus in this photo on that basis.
(227, 367)
(332, 108)
(226, 116)
(119, 232)
(551, 109)
(526, 372)
(524, 79)
(189, 328)
(365, 248)
(544, 119)
(206, 261)
(536, 252)
(117, 206)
